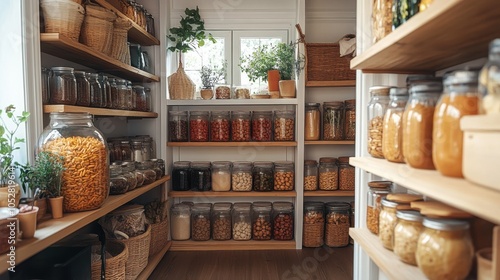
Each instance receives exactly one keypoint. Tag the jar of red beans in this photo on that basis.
(198, 126)
(240, 126)
(219, 126)
(262, 126)
(283, 220)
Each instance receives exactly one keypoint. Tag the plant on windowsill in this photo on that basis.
(48, 172)
(211, 75)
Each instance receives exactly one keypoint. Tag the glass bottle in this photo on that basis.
(221, 221)
(381, 19)
(392, 135)
(219, 127)
(146, 167)
(240, 126)
(180, 176)
(350, 119)
(200, 176)
(261, 220)
(333, 120)
(489, 80)
(262, 126)
(310, 175)
(180, 219)
(125, 150)
(221, 176)
(95, 90)
(45, 85)
(178, 126)
(117, 182)
(128, 168)
(283, 221)
(82, 89)
(377, 191)
(198, 126)
(346, 174)
(62, 86)
(314, 224)
(312, 122)
(376, 111)
(337, 224)
(262, 175)
(328, 174)
(406, 233)
(284, 125)
(284, 176)
(140, 98)
(241, 176)
(242, 221)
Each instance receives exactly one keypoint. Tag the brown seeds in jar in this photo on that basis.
(221, 228)
(328, 181)
(284, 180)
(219, 129)
(375, 130)
(200, 228)
(240, 130)
(261, 229)
(241, 181)
(337, 230)
(283, 227)
(284, 129)
(310, 183)
(222, 92)
(346, 179)
(242, 231)
(198, 130)
(261, 129)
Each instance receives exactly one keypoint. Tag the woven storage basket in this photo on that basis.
(115, 266)
(159, 237)
(180, 85)
(119, 47)
(63, 16)
(97, 28)
(138, 252)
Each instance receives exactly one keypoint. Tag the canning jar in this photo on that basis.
(200, 221)
(221, 176)
(117, 182)
(180, 221)
(121, 94)
(312, 122)
(381, 19)
(406, 233)
(95, 90)
(333, 123)
(283, 221)
(337, 224)
(392, 135)
(137, 154)
(82, 89)
(140, 99)
(106, 91)
(149, 99)
(350, 119)
(200, 176)
(460, 98)
(377, 191)
(489, 80)
(314, 224)
(240, 126)
(178, 126)
(147, 148)
(387, 221)
(45, 85)
(445, 249)
(261, 220)
(241, 176)
(284, 176)
(262, 176)
(62, 86)
(241, 92)
(115, 95)
(328, 174)
(376, 111)
(128, 171)
(180, 176)
(156, 168)
(242, 221)
(85, 179)
(198, 126)
(262, 126)
(219, 126)
(221, 221)
(284, 125)
(125, 150)
(346, 174)
(130, 97)
(222, 92)
(310, 175)
(146, 167)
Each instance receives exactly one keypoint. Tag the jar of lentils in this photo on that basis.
(328, 174)
(314, 224)
(283, 221)
(337, 224)
(262, 174)
(242, 221)
(284, 176)
(241, 177)
(261, 220)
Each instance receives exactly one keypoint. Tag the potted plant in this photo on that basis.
(48, 171)
(211, 75)
(30, 187)
(27, 220)
(288, 64)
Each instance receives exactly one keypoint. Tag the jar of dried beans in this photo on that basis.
(392, 135)
(241, 176)
(240, 126)
(200, 221)
(350, 119)
(222, 92)
(262, 126)
(261, 220)
(242, 221)
(198, 126)
(178, 126)
(328, 174)
(337, 224)
(219, 127)
(310, 175)
(82, 89)
(333, 120)
(378, 190)
(314, 224)
(312, 122)
(376, 111)
(283, 221)
(284, 125)
(406, 233)
(221, 221)
(140, 98)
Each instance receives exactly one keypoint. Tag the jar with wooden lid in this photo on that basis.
(240, 126)
(198, 126)
(284, 176)
(62, 86)
(337, 224)
(377, 191)
(178, 126)
(200, 221)
(392, 135)
(180, 221)
(263, 176)
(200, 176)
(312, 122)
(283, 221)
(310, 175)
(262, 126)
(313, 224)
(328, 174)
(219, 127)
(376, 111)
(82, 89)
(241, 176)
(284, 125)
(406, 234)
(350, 119)
(221, 176)
(333, 120)
(242, 221)
(221, 221)
(261, 220)
(346, 174)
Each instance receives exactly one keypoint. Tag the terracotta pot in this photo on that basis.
(56, 207)
(13, 198)
(207, 93)
(27, 222)
(287, 88)
(273, 79)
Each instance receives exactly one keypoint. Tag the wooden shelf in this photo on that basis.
(60, 46)
(346, 83)
(212, 245)
(233, 144)
(153, 261)
(329, 193)
(322, 142)
(233, 102)
(448, 33)
(475, 199)
(386, 260)
(51, 231)
(232, 194)
(97, 111)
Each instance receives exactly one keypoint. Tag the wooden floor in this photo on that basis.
(311, 263)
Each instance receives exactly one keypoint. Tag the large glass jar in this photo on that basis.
(284, 125)
(241, 176)
(333, 120)
(85, 179)
(200, 221)
(261, 220)
(283, 221)
(262, 175)
(240, 126)
(328, 174)
(310, 175)
(82, 89)
(314, 224)
(460, 98)
(200, 176)
(221, 221)
(387, 221)
(312, 122)
(180, 221)
(406, 233)
(221, 176)
(444, 249)
(376, 111)
(337, 224)
(381, 19)
(219, 127)
(242, 221)
(346, 174)
(146, 167)
(178, 126)
(489, 80)
(284, 176)
(377, 191)
(350, 119)
(180, 176)
(117, 182)
(262, 126)
(62, 85)
(128, 168)
(95, 90)
(198, 126)
(140, 98)
(45, 85)
(392, 135)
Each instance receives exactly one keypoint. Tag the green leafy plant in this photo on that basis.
(47, 171)
(211, 75)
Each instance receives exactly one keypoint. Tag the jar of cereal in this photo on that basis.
(221, 221)
(392, 135)
(406, 233)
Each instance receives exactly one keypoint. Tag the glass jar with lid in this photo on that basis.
(156, 168)
(222, 92)
(314, 224)
(284, 176)
(262, 176)
(392, 135)
(284, 125)
(382, 17)
(242, 221)
(150, 24)
(130, 97)
(125, 150)
(200, 221)
(140, 98)
(106, 91)
(180, 176)
(377, 191)
(137, 154)
(328, 174)
(310, 175)
(444, 249)
(180, 221)
(312, 122)
(200, 176)
(115, 96)
(240, 126)
(221, 176)
(128, 168)
(62, 86)
(333, 120)
(117, 182)
(337, 224)
(460, 98)
(121, 94)
(346, 174)
(82, 89)
(262, 126)
(85, 179)
(146, 167)
(221, 221)
(45, 85)
(406, 233)
(283, 219)
(198, 126)
(376, 111)
(147, 149)
(261, 220)
(95, 90)
(241, 176)
(219, 126)
(350, 119)
(178, 126)
(149, 99)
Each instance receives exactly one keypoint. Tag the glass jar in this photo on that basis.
(262, 126)
(45, 85)
(147, 148)
(125, 150)
(95, 90)
(337, 224)
(392, 135)
(328, 174)
(242, 221)
(241, 176)
(241, 92)
(82, 89)
(62, 86)
(180, 221)
(284, 125)
(135, 55)
(377, 191)
(121, 94)
(117, 182)
(376, 111)
(142, 17)
(156, 168)
(381, 19)
(310, 175)
(240, 126)
(221, 176)
(178, 126)
(139, 176)
(333, 123)
(222, 92)
(137, 150)
(180, 176)
(140, 99)
(314, 224)
(284, 176)
(262, 176)
(444, 249)
(346, 174)
(460, 98)
(283, 221)
(150, 24)
(106, 91)
(114, 94)
(85, 179)
(406, 233)
(261, 220)
(219, 126)
(149, 99)
(312, 122)
(146, 167)
(111, 149)
(489, 80)
(200, 176)
(387, 222)
(128, 169)
(221, 221)
(350, 119)
(129, 97)
(198, 126)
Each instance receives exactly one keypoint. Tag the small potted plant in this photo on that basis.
(30, 187)
(211, 75)
(261, 64)
(48, 170)
(288, 64)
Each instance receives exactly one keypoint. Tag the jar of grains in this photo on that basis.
(261, 220)
(180, 221)
(178, 126)
(222, 92)
(240, 126)
(310, 175)
(337, 224)
(262, 175)
(180, 176)
(328, 174)
(350, 119)
(200, 221)
(241, 176)
(242, 221)
(62, 86)
(198, 126)
(333, 120)
(346, 174)
(146, 167)
(444, 249)
(392, 135)
(200, 176)
(284, 125)
(312, 122)
(376, 111)
(221, 221)
(85, 179)
(128, 168)
(283, 221)
(381, 19)
(314, 224)
(406, 233)
(219, 127)
(221, 176)
(388, 219)
(141, 99)
(284, 176)
(82, 89)
(262, 126)
(378, 190)
(117, 182)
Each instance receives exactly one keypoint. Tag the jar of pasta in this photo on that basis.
(406, 233)
(337, 224)
(242, 221)
(221, 221)
(310, 175)
(460, 98)
(392, 135)
(284, 125)
(377, 191)
(221, 176)
(328, 174)
(314, 224)
(333, 120)
(200, 221)
(312, 122)
(283, 221)
(284, 176)
(350, 119)
(241, 176)
(376, 111)
(261, 220)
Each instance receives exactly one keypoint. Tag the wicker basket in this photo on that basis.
(138, 252)
(115, 266)
(62, 16)
(159, 237)
(119, 47)
(97, 28)
(180, 86)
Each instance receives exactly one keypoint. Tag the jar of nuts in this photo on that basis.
(406, 233)
(392, 135)
(310, 175)
(376, 111)
(221, 221)
(312, 122)
(262, 126)
(241, 176)
(346, 174)
(117, 182)
(178, 126)
(240, 126)
(222, 92)
(337, 224)
(219, 126)
(221, 176)
(242, 221)
(261, 220)
(200, 176)
(328, 174)
(198, 126)
(283, 221)
(314, 224)
(333, 120)
(200, 221)
(180, 221)
(146, 167)
(262, 175)
(350, 119)
(284, 176)
(128, 168)
(180, 176)
(241, 92)
(284, 125)
(378, 190)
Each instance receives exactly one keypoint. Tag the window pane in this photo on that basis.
(248, 45)
(209, 54)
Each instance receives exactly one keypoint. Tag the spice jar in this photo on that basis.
(261, 220)
(180, 220)
(200, 176)
(200, 221)
(240, 126)
(221, 176)
(125, 150)
(310, 175)
(350, 119)
(128, 169)
(312, 122)
(284, 125)
(117, 182)
(242, 221)
(222, 92)
(377, 191)
(314, 224)
(406, 233)
(241, 177)
(45, 85)
(328, 174)
(178, 126)
(262, 176)
(376, 111)
(219, 126)
(198, 126)
(62, 86)
(284, 176)
(95, 90)
(392, 135)
(82, 89)
(146, 167)
(346, 174)
(137, 154)
(460, 98)
(180, 176)
(140, 99)
(283, 221)
(85, 179)
(333, 123)
(337, 224)
(381, 19)
(262, 126)
(445, 249)
(221, 221)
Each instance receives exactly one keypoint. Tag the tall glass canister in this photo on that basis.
(200, 221)
(312, 122)
(337, 224)
(62, 86)
(242, 221)
(180, 221)
(333, 120)
(221, 176)
(392, 135)
(376, 111)
(313, 224)
(241, 176)
(221, 221)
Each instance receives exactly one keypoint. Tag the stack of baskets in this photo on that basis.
(63, 16)
(119, 47)
(115, 265)
(138, 253)
(159, 237)
(97, 28)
